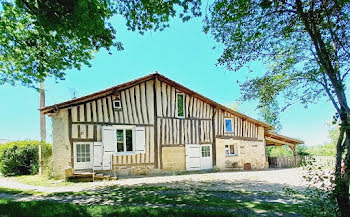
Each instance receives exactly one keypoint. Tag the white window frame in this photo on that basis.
(235, 148)
(117, 107)
(184, 115)
(208, 151)
(124, 128)
(231, 125)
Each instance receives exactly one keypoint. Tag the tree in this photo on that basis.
(269, 113)
(305, 43)
(330, 148)
(279, 151)
(44, 38)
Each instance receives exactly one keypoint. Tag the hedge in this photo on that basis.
(21, 158)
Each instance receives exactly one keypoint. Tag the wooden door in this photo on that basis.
(206, 158)
(193, 157)
(82, 155)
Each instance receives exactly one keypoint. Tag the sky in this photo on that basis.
(183, 53)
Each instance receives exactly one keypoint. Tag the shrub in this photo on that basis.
(21, 158)
(319, 195)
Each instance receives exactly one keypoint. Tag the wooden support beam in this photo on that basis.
(279, 141)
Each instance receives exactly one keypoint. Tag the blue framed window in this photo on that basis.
(228, 126)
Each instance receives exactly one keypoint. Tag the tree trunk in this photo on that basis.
(341, 190)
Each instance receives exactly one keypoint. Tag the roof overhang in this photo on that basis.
(96, 95)
(114, 89)
(274, 139)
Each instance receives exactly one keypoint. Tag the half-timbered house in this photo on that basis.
(154, 123)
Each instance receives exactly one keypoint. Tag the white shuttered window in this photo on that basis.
(124, 139)
(108, 138)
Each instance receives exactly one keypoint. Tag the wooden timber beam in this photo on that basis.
(279, 141)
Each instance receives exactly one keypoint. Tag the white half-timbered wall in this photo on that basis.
(137, 109)
(194, 128)
(240, 127)
(140, 109)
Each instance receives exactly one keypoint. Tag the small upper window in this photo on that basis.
(230, 150)
(180, 102)
(117, 104)
(228, 125)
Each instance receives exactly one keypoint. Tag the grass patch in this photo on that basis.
(190, 198)
(41, 181)
(19, 191)
(133, 199)
(48, 209)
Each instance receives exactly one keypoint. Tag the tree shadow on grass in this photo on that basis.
(193, 195)
(50, 209)
(41, 208)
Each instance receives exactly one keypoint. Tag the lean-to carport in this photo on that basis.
(274, 139)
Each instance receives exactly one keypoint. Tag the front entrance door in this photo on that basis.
(193, 157)
(206, 158)
(82, 155)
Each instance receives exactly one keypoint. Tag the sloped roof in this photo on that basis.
(277, 139)
(108, 91)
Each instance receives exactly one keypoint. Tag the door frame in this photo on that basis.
(84, 165)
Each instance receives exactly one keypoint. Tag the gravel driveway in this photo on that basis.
(271, 180)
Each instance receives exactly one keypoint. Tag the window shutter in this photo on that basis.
(140, 140)
(98, 153)
(109, 139)
(107, 161)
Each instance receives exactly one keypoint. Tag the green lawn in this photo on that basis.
(48, 209)
(152, 200)
(161, 196)
(41, 181)
(18, 191)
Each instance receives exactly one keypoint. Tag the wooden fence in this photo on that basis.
(286, 162)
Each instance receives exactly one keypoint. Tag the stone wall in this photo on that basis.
(252, 152)
(61, 149)
(174, 158)
(131, 169)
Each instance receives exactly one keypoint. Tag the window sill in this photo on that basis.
(231, 155)
(124, 153)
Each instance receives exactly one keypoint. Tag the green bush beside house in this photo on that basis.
(22, 158)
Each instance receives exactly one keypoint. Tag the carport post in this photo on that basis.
(295, 155)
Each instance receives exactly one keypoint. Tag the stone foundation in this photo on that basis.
(132, 169)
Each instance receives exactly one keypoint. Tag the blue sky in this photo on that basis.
(182, 53)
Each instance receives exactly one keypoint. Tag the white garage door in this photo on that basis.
(193, 157)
